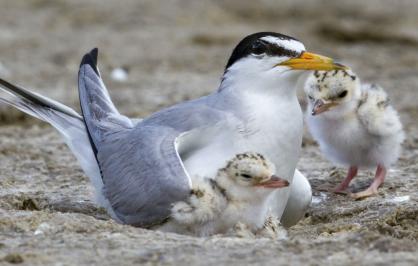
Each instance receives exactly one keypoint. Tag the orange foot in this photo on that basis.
(371, 191)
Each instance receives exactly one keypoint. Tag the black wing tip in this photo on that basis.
(91, 60)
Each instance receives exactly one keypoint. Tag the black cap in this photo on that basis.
(252, 44)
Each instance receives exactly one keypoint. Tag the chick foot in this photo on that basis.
(342, 187)
(372, 189)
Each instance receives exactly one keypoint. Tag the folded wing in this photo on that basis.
(140, 166)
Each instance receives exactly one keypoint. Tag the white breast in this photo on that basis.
(277, 134)
(274, 131)
(346, 141)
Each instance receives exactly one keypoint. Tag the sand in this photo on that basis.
(174, 51)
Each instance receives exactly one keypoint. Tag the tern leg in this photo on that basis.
(372, 189)
(352, 172)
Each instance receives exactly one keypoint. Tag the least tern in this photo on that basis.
(140, 167)
(239, 193)
(354, 124)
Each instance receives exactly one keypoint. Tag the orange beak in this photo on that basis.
(311, 61)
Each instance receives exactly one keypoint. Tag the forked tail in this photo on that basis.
(67, 121)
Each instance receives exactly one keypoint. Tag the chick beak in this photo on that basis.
(274, 182)
(320, 106)
(311, 61)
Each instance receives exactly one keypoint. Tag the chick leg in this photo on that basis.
(372, 189)
(352, 172)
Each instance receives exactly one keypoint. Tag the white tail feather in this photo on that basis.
(71, 126)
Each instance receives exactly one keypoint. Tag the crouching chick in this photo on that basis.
(238, 197)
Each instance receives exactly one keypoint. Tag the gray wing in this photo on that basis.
(99, 113)
(141, 169)
(191, 115)
(143, 173)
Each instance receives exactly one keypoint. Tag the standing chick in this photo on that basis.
(354, 125)
(239, 194)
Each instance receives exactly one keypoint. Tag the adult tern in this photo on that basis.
(140, 167)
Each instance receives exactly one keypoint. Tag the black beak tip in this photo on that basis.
(340, 65)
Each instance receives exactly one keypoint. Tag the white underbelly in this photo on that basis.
(344, 143)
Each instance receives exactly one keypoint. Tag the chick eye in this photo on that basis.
(310, 98)
(342, 94)
(258, 48)
(245, 175)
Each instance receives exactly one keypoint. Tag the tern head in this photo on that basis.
(249, 175)
(267, 60)
(333, 93)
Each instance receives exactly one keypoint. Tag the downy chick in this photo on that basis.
(240, 193)
(354, 124)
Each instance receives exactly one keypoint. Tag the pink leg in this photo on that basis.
(372, 189)
(352, 172)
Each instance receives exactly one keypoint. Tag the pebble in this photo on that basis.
(399, 199)
(119, 74)
(320, 198)
(43, 228)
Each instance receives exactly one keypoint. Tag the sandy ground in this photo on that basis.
(173, 51)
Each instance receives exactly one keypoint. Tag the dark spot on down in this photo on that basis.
(198, 193)
(324, 76)
(383, 104)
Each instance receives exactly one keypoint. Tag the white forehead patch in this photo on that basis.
(287, 44)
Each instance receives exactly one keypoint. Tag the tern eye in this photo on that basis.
(246, 176)
(342, 94)
(258, 48)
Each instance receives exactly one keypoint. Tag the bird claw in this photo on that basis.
(363, 194)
